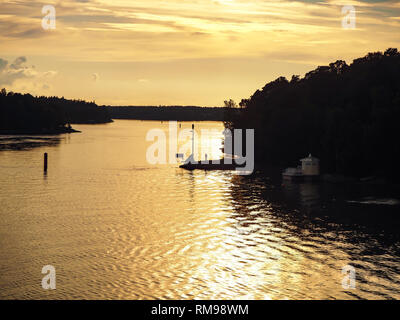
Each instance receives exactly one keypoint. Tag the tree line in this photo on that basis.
(347, 115)
(24, 113)
(165, 113)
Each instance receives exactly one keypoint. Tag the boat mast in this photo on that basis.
(193, 140)
(191, 157)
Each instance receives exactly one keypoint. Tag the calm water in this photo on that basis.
(116, 227)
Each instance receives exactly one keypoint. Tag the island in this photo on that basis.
(346, 115)
(26, 114)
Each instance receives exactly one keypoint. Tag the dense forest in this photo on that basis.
(23, 113)
(165, 113)
(347, 115)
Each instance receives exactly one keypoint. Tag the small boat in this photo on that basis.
(293, 173)
(309, 170)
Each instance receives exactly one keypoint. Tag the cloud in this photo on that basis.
(274, 37)
(9, 73)
(18, 63)
(50, 74)
(174, 29)
(27, 76)
(3, 64)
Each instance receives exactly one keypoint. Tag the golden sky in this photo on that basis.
(193, 52)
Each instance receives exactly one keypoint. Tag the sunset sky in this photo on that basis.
(197, 52)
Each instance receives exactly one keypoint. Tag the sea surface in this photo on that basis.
(115, 226)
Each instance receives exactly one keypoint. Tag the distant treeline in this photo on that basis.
(23, 113)
(347, 115)
(165, 113)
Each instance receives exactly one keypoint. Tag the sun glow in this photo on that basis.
(191, 52)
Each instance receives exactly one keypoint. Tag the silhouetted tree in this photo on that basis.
(348, 115)
(23, 113)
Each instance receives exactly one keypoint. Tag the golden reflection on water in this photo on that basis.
(116, 227)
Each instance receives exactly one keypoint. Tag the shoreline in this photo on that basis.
(275, 173)
(38, 133)
(51, 132)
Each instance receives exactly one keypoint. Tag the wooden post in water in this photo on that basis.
(45, 162)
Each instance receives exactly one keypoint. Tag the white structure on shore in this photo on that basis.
(309, 168)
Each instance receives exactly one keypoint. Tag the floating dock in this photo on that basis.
(221, 164)
(209, 165)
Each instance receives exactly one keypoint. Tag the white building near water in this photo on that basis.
(310, 166)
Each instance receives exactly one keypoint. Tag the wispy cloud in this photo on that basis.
(164, 32)
(155, 29)
(18, 74)
(10, 72)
